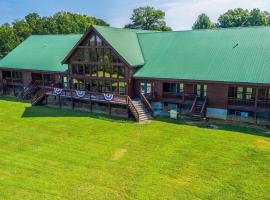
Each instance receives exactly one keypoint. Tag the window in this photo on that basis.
(81, 69)
(65, 82)
(121, 72)
(245, 93)
(78, 84)
(79, 56)
(92, 41)
(114, 71)
(93, 55)
(114, 58)
(107, 71)
(100, 55)
(99, 41)
(249, 93)
(17, 75)
(106, 55)
(240, 91)
(94, 70)
(122, 88)
(268, 94)
(101, 86)
(47, 78)
(115, 87)
(88, 86)
(173, 87)
(87, 70)
(94, 86)
(100, 71)
(107, 86)
(75, 69)
(6, 74)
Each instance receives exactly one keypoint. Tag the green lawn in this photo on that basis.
(56, 154)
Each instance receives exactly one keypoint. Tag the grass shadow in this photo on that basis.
(42, 111)
(13, 99)
(219, 125)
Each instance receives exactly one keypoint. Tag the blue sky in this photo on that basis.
(180, 14)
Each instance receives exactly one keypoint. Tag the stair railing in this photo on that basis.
(203, 107)
(39, 95)
(133, 109)
(31, 88)
(146, 103)
(193, 105)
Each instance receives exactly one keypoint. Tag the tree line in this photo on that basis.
(234, 18)
(146, 18)
(11, 35)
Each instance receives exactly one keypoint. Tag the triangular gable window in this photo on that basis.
(92, 41)
(99, 41)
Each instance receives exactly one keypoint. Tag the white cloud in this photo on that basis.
(180, 15)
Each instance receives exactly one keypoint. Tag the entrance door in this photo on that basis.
(147, 88)
(201, 91)
(36, 77)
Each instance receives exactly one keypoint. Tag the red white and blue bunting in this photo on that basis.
(57, 91)
(108, 97)
(80, 94)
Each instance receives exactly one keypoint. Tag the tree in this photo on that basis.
(203, 22)
(34, 21)
(148, 18)
(21, 29)
(258, 18)
(59, 23)
(8, 39)
(234, 18)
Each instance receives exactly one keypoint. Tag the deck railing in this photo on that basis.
(91, 96)
(241, 102)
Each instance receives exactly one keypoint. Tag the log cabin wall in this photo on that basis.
(26, 78)
(217, 96)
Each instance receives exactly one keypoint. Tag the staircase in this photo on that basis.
(39, 96)
(198, 108)
(142, 111)
(30, 89)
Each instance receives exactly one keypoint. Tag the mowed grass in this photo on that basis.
(59, 154)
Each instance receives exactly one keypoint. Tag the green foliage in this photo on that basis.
(203, 22)
(64, 154)
(258, 18)
(234, 18)
(8, 39)
(59, 23)
(148, 18)
(240, 17)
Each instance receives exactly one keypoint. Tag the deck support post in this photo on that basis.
(59, 101)
(110, 108)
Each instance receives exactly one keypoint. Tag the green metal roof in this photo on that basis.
(41, 52)
(125, 42)
(231, 55)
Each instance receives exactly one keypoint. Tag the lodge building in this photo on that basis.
(220, 73)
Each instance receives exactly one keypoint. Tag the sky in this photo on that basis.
(180, 14)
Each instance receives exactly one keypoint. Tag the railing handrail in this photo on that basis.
(86, 92)
(133, 108)
(204, 106)
(194, 104)
(146, 102)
